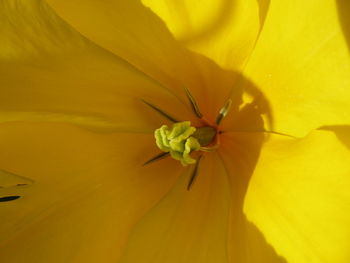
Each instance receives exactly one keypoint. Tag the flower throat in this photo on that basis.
(187, 143)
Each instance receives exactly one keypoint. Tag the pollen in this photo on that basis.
(182, 139)
(178, 141)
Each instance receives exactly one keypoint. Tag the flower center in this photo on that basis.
(182, 139)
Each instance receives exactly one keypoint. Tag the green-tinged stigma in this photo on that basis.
(183, 139)
(178, 141)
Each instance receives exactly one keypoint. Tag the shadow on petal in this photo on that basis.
(208, 223)
(226, 10)
(263, 9)
(213, 195)
(239, 153)
(344, 18)
(342, 132)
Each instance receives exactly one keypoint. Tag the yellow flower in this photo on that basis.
(75, 131)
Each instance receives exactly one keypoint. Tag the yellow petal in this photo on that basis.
(343, 10)
(299, 197)
(80, 83)
(239, 153)
(88, 192)
(224, 31)
(186, 226)
(301, 62)
(132, 31)
(96, 91)
(8, 179)
(342, 133)
(29, 28)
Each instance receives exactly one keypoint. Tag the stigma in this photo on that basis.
(182, 139)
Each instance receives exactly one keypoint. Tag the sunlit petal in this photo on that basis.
(299, 197)
(223, 30)
(301, 63)
(239, 153)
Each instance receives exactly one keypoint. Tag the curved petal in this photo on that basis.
(186, 226)
(53, 73)
(342, 133)
(95, 91)
(224, 31)
(239, 152)
(343, 10)
(133, 32)
(302, 64)
(299, 197)
(88, 191)
(29, 29)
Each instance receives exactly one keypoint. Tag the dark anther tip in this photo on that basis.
(9, 198)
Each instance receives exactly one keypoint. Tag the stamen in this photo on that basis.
(223, 112)
(158, 157)
(178, 141)
(209, 149)
(194, 174)
(9, 198)
(194, 104)
(205, 135)
(161, 112)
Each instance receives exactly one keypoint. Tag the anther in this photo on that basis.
(223, 112)
(160, 111)
(178, 141)
(193, 103)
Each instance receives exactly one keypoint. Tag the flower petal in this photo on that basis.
(133, 32)
(239, 152)
(95, 91)
(29, 28)
(53, 73)
(186, 226)
(301, 62)
(88, 191)
(299, 197)
(224, 31)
